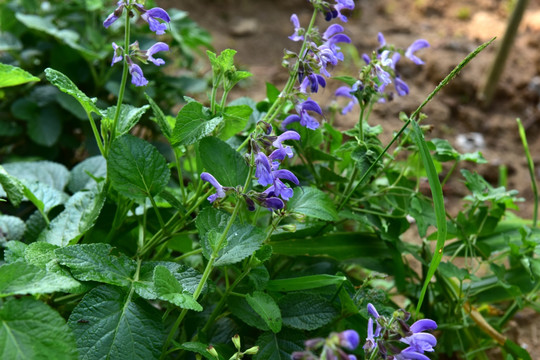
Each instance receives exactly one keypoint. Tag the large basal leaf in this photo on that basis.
(12, 187)
(306, 311)
(46, 172)
(47, 197)
(266, 307)
(84, 174)
(32, 330)
(279, 346)
(109, 323)
(21, 278)
(169, 289)
(222, 161)
(137, 170)
(11, 228)
(129, 116)
(12, 75)
(79, 215)
(64, 84)
(192, 124)
(95, 262)
(242, 240)
(312, 202)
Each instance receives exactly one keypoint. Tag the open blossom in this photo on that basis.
(137, 76)
(151, 16)
(304, 118)
(415, 46)
(335, 10)
(298, 31)
(220, 191)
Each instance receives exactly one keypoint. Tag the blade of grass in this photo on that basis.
(530, 163)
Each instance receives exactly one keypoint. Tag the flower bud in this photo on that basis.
(252, 350)
(289, 227)
(236, 341)
(212, 351)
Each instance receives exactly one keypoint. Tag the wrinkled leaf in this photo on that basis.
(266, 307)
(306, 311)
(222, 161)
(312, 202)
(169, 289)
(193, 123)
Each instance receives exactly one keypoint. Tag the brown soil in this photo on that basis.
(258, 30)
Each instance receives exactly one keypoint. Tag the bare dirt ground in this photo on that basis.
(258, 30)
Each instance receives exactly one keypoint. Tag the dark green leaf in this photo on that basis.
(85, 173)
(32, 330)
(160, 118)
(198, 348)
(136, 168)
(279, 346)
(45, 129)
(94, 262)
(109, 323)
(169, 289)
(64, 84)
(192, 124)
(240, 308)
(306, 311)
(129, 116)
(304, 282)
(12, 75)
(222, 161)
(312, 202)
(266, 307)
(235, 119)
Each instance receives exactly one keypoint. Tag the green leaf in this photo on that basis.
(169, 289)
(95, 262)
(306, 311)
(240, 308)
(160, 118)
(312, 202)
(235, 119)
(304, 282)
(46, 172)
(46, 127)
(32, 330)
(279, 346)
(14, 251)
(64, 84)
(12, 75)
(193, 123)
(242, 240)
(198, 348)
(44, 196)
(136, 168)
(12, 187)
(222, 161)
(85, 173)
(266, 307)
(12, 228)
(129, 116)
(109, 323)
(79, 215)
(21, 278)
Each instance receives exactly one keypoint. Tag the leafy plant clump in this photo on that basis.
(253, 228)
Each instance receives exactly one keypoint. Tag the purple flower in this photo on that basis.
(220, 192)
(263, 170)
(272, 202)
(384, 78)
(381, 39)
(334, 34)
(118, 53)
(347, 92)
(401, 87)
(297, 35)
(115, 14)
(137, 76)
(419, 341)
(282, 151)
(372, 311)
(415, 46)
(157, 47)
(349, 339)
(336, 11)
(304, 118)
(151, 17)
(313, 81)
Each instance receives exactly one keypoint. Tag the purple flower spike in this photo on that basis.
(151, 17)
(373, 312)
(297, 29)
(220, 193)
(118, 53)
(349, 339)
(157, 47)
(415, 46)
(137, 76)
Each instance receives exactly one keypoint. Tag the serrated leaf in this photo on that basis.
(109, 323)
(46, 172)
(12, 187)
(12, 228)
(80, 213)
(306, 311)
(12, 76)
(266, 307)
(32, 330)
(83, 175)
(279, 346)
(20, 278)
(312, 202)
(64, 84)
(242, 240)
(242, 310)
(14, 251)
(160, 118)
(136, 169)
(169, 289)
(43, 196)
(193, 124)
(129, 116)
(223, 162)
(95, 262)
(235, 119)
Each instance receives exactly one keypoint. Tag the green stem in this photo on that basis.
(156, 209)
(96, 133)
(188, 254)
(530, 164)
(122, 89)
(180, 175)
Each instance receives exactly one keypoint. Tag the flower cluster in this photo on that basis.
(267, 151)
(152, 17)
(329, 348)
(319, 53)
(379, 72)
(388, 333)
